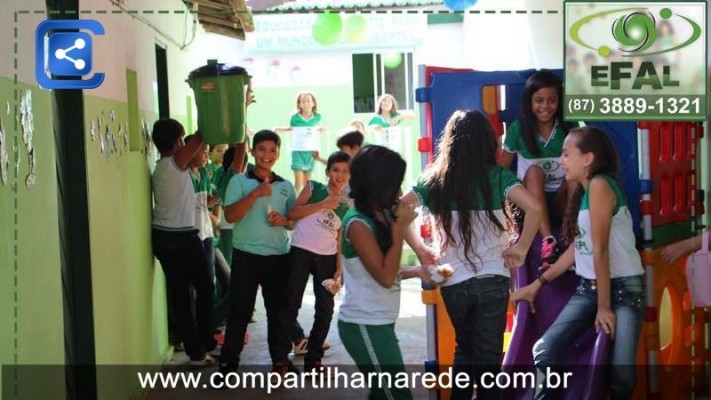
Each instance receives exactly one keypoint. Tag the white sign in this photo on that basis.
(391, 138)
(290, 33)
(304, 138)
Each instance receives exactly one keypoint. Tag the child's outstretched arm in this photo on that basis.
(529, 292)
(426, 254)
(283, 129)
(602, 205)
(237, 210)
(505, 159)
(301, 209)
(684, 247)
(237, 165)
(338, 275)
(515, 255)
(184, 154)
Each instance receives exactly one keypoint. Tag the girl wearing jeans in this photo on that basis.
(611, 291)
(466, 190)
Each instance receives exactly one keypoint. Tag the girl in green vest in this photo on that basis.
(536, 139)
(610, 297)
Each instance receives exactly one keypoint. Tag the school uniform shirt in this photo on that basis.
(173, 196)
(488, 243)
(224, 180)
(252, 233)
(382, 122)
(201, 186)
(214, 172)
(624, 257)
(318, 232)
(550, 151)
(298, 121)
(365, 302)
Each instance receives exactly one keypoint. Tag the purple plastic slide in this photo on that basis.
(586, 359)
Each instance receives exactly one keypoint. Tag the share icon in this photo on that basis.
(70, 54)
(79, 64)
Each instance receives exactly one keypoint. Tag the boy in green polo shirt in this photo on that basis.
(257, 203)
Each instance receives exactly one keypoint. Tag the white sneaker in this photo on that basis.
(208, 361)
(215, 353)
(302, 347)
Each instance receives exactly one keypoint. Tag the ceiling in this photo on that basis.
(231, 18)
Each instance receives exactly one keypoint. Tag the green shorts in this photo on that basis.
(302, 161)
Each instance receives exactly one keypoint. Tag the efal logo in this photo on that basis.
(636, 32)
(65, 55)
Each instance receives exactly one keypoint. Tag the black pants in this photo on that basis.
(182, 258)
(301, 264)
(249, 271)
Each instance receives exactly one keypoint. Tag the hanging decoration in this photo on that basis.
(459, 5)
(327, 28)
(392, 60)
(355, 29)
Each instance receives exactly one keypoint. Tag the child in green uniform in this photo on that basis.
(465, 191)
(315, 250)
(373, 234)
(611, 291)
(258, 203)
(302, 162)
(350, 142)
(537, 139)
(176, 243)
(387, 115)
(200, 178)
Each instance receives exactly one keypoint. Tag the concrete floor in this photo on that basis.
(410, 329)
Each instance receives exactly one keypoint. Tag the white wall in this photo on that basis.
(443, 46)
(130, 43)
(514, 41)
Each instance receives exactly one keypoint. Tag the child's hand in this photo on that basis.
(264, 189)
(676, 250)
(424, 274)
(605, 319)
(527, 293)
(331, 202)
(276, 219)
(514, 256)
(405, 214)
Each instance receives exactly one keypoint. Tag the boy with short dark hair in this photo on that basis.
(175, 240)
(257, 203)
(350, 142)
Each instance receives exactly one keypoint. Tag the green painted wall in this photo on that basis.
(32, 330)
(128, 288)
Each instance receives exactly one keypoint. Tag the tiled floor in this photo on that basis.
(410, 329)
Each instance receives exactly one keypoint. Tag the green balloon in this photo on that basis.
(355, 29)
(327, 28)
(392, 60)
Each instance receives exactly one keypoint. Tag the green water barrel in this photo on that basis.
(220, 99)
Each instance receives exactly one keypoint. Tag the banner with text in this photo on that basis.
(290, 33)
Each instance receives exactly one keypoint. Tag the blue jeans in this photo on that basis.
(477, 308)
(579, 316)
